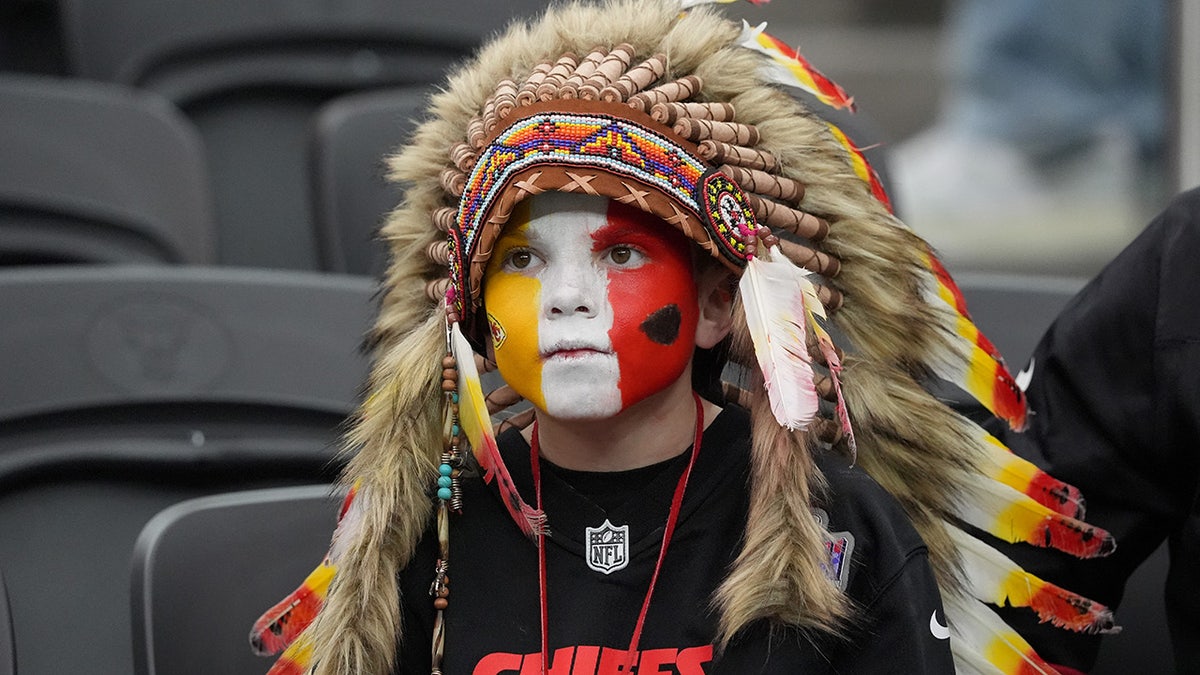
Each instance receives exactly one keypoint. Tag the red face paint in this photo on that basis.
(655, 306)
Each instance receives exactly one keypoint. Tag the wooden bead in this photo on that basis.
(449, 362)
(449, 374)
(441, 603)
(449, 385)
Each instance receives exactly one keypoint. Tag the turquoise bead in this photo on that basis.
(455, 430)
(444, 494)
(454, 396)
(444, 481)
(445, 470)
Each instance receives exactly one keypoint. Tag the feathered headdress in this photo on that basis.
(681, 115)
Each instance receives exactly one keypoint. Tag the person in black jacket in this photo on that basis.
(1115, 384)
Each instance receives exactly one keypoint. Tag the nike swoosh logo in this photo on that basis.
(939, 631)
(1024, 377)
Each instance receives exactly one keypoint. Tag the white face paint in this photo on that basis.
(580, 372)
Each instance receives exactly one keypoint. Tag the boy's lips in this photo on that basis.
(567, 350)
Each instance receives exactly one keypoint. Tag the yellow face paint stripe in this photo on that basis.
(507, 297)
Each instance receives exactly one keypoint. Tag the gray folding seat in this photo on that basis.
(250, 74)
(205, 569)
(125, 389)
(99, 173)
(352, 135)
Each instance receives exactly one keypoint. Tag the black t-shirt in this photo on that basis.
(492, 622)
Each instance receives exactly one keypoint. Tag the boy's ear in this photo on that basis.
(715, 288)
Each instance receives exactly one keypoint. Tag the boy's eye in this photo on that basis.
(520, 259)
(620, 254)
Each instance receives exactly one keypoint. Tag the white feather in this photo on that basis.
(773, 294)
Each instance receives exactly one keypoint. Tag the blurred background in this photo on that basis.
(189, 191)
(1018, 137)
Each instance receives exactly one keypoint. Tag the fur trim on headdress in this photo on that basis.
(894, 306)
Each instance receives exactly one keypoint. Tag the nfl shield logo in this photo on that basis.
(607, 547)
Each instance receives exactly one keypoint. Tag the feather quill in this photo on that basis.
(477, 424)
(993, 578)
(772, 291)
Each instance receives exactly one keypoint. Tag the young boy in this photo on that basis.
(595, 310)
(580, 205)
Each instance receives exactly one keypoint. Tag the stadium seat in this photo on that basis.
(8, 649)
(351, 196)
(205, 569)
(250, 74)
(127, 389)
(98, 173)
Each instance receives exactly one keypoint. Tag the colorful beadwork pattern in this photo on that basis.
(593, 140)
(728, 213)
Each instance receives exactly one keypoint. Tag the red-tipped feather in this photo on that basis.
(1071, 611)
(983, 643)
(1010, 515)
(295, 661)
(966, 365)
(788, 67)
(1018, 473)
(862, 168)
(279, 626)
(993, 578)
(948, 291)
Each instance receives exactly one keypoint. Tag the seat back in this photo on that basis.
(118, 338)
(94, 172)
(8, 647)
(124, 390)
(250, 75)
(352, 135)
(205, 569)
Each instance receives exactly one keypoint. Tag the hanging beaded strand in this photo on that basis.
(449, 494)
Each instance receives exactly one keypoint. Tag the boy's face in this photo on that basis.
(592, 305)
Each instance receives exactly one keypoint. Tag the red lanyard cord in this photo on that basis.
(668, 530)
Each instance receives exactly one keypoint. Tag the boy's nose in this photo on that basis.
(571, 295)
(570, 303)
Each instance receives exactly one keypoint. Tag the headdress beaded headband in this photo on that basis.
(625, 122)
(677, 159)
